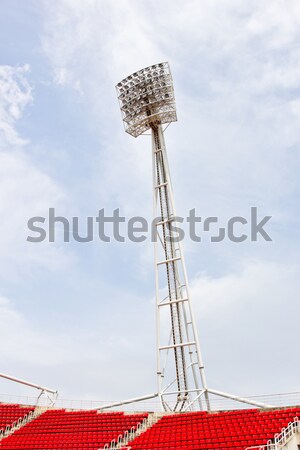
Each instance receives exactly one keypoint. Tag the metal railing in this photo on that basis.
(45, 393)
(17, 424)
(217, 404)
(124, 447)
(128, 436)
(280, 439)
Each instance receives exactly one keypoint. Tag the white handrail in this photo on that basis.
(17, 424)
(122, 440)
(281, 438)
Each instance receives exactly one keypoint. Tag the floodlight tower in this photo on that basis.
(147, 102)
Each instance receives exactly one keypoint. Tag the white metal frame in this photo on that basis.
(147, 101)
(50, 394)
(126, 402)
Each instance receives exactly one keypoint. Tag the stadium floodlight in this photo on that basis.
(147, 97)
(147, 102)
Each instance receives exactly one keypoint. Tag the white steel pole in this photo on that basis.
(248, 401)
(28, 383)
(43, 390)
(126, 402)
(158, 363)
(193, 323)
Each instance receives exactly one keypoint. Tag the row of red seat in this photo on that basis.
(10, 413)
(58, 429)
(61, 429)
(218, 430)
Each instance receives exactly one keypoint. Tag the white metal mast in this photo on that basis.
(181, 376)
(147, 102)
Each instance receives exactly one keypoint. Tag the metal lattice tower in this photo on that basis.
(147, 102)
(181, 380)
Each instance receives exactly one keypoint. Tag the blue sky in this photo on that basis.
(80, 317)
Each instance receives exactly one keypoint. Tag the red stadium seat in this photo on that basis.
(214, 430)
(10, 413)
(58, 429)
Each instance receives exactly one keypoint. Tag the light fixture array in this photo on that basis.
(147, 97)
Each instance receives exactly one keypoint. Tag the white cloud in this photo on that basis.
(72, 359)
(90, 46)
(15, 95)
(25, 190)
(238, 115)
(280, 19)
(252, 282)
(248, 322)
(22, 342)
(91, 41)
